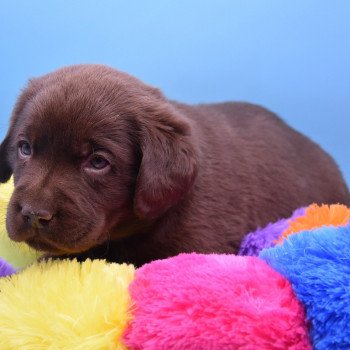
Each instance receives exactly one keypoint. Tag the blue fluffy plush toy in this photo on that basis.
(317, 263)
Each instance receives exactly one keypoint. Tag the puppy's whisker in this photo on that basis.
(107, 245)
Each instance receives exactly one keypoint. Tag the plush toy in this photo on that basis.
(12, 255)
(6, 269)
(294, 295)
(317, 263)
(266, 237)
(302, 219)
(214, 302)
(65, 305)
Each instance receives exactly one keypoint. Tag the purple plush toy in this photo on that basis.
(5, 268)
(265, 237)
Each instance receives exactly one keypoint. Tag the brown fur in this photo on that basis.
(181, 178)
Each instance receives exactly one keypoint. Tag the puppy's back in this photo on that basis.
(269, 168)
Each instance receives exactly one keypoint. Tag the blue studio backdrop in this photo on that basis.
(290, 56)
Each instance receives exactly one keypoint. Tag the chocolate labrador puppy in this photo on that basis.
(106, 167)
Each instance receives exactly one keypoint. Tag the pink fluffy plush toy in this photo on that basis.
(215, 302)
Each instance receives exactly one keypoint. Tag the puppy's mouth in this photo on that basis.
(70, 235)
(79, 245)
(40, 245)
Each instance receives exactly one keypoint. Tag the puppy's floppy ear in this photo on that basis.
(26, 95)
(5, 167)
(169, 161)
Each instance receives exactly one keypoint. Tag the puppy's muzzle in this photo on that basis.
(38, 219)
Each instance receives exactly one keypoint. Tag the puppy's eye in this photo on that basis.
(24, 149)
(98, 162)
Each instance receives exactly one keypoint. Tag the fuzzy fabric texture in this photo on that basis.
(196, 301)
(317, 263)
(6, 269)
(266, 237)
(19, 255)
(65, 305)
(317, 216)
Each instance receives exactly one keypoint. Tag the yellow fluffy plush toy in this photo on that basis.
(65, 305)
(18, 255)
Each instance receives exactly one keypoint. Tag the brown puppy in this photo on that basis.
(105, 166)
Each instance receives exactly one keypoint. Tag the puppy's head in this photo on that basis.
(92, 149)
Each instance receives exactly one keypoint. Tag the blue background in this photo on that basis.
(290, 56)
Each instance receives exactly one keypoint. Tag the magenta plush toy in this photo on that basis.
(216, 302)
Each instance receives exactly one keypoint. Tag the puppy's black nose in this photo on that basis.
(36, 218)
